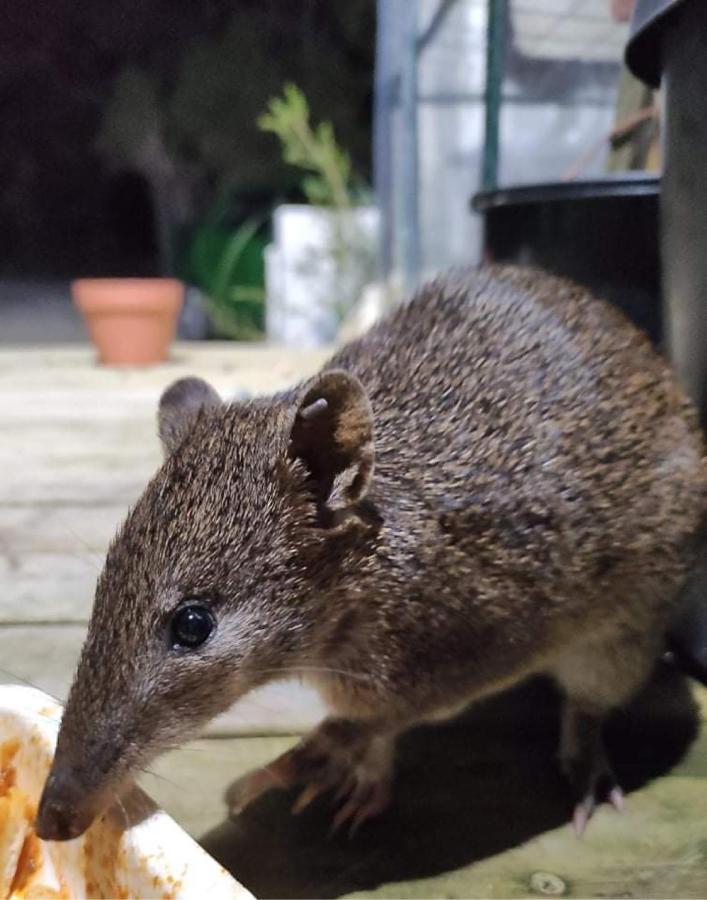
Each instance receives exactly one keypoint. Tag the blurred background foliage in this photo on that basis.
(129, 141)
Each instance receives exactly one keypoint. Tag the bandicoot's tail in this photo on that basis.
(687, 637)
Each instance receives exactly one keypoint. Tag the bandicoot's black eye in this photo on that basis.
(191, 626)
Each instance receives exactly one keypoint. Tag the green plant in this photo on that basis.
(313, 149)
(228, 265)
(330, 183)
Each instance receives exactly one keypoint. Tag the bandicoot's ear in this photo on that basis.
(333, 436)
(180, 405)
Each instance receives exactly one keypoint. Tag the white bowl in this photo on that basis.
(134, 850)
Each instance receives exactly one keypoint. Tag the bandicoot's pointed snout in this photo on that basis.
(65, 809)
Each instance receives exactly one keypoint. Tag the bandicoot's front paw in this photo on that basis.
(357, 772)
(362, 798)
(251, 786)
(304, 764)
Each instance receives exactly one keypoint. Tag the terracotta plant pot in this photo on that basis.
(132, 321)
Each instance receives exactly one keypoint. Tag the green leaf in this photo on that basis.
(314, 150)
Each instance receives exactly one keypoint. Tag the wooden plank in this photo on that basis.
(47, 587)
(478, 811)
(71, 529)
(107, 480)
(74, 431)
(260, 368)
(190, 783)
(78, 443)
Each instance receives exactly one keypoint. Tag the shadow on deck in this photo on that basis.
(466, 791)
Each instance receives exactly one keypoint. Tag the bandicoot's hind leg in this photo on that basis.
(597, 677)
(585, 764)
(352, 759)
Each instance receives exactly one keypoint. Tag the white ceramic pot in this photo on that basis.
(315, 270)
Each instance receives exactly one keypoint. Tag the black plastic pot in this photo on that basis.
(602, 234)
(643, 52)
(668, 45)
(605, 235)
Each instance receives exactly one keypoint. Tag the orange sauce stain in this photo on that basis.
(101, 862)
(8, 752)
(44, 892)
(14, 804)
(5, 809)
(28, 864)
(103, 853)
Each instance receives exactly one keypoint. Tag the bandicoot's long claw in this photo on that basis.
(583, 812)
(586, 808)
(308, 795)
(253, 785)
(367, 800)
(616, 799)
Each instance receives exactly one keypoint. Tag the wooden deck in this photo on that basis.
(480, 809)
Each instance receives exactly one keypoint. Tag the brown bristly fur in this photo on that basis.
(505, 479)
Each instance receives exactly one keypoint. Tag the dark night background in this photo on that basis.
(123, 120)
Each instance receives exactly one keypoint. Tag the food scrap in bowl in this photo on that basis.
(25, 869)
(133, 850)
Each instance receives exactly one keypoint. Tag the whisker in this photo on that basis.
(304, 669)
(153, 774)
(119, 803)
(91, 554)
(188, 749)
(94, 563)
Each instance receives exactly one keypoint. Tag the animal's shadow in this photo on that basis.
(465, 791)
